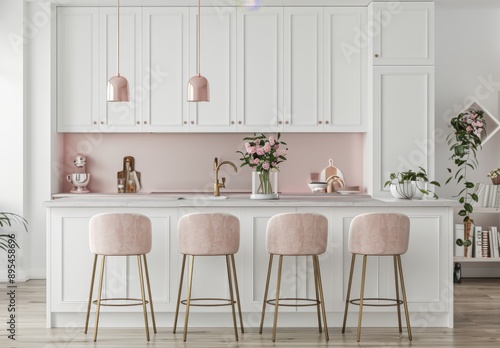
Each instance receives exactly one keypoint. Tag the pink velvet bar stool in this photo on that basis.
(209, 234)
(120, 234)
(379, 234)
(296, 234)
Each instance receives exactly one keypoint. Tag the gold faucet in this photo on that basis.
(217, 166)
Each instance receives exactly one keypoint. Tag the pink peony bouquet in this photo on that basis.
(263, 153)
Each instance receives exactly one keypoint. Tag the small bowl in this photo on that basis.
(317, 186)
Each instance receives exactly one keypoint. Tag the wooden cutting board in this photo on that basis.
(330, 170)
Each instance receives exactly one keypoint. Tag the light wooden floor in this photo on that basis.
(477, 324)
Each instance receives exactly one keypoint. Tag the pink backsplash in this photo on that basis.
(184, 162)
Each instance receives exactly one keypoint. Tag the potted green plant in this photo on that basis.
(464, 142)
(409, 183)
(6, 219)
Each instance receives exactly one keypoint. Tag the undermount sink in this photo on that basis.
(204, 197)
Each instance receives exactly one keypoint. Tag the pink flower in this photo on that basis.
(478, 124)
(256, 161)
(267, 147)
(274, 164)
(260, 151)
(468, 129)
(276, 147)
(265, 165)
(280, 153)
(271, 140)
(250, 149)
(473, 116)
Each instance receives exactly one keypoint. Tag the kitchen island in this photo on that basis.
(427, 265)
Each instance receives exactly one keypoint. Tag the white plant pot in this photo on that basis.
(404, 190)
(420, 184)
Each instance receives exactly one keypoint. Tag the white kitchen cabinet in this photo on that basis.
(165, 69)
(402, 33)
(259, 69)
(77, 69)
(345, 70)
(303, 69)
(403, 122)
(218, 65)
(120, 116)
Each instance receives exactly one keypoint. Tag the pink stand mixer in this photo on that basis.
(79, 180)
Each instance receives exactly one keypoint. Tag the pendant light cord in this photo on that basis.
(198, 38)
(118, 41)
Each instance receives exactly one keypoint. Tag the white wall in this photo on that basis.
(467, 66)
(12, 119)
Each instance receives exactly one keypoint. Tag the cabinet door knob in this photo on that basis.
(320, 122)
(192, 122)
(185, 122)
(286, 122)
(327, 122)
(280, 122)
(376, 55)
(145, 122)
(102, 122)
(138, 122)
(232, 122)
(239, 122)
(95, 122)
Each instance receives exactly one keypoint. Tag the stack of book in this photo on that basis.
(485, 241)
(488, 196)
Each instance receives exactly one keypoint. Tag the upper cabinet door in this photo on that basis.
(218, 65)
(403, 33)
(303, 64)
(260, 69)
(165, 69)
(77, 61)
(345, 70)
(120, 116)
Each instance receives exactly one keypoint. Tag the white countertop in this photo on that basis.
(231, 199)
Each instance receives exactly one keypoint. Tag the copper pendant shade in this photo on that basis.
(118, 90)
(198, 87)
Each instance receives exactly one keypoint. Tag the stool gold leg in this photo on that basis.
(179, 293)
(231, 296)
(237, 293)
(143, 296)
(98, 309)
(353, 261)
(397, 292)
(361, 295)
(265, 292)
(149, 292)
(405, 302)
(188, 301)
(322, 297)
(276, 304)
(90, 295)
(316, 285)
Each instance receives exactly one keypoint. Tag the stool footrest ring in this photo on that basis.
(227, 302)
(312, 302)
(396, 302)
(138, 300)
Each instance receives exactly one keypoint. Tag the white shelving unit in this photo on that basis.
(462, 259)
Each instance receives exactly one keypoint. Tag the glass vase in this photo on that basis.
(265, 185)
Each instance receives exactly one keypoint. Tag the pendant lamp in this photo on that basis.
(118, 85)
(198, 88)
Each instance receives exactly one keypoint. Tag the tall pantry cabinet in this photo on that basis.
(401, 59)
